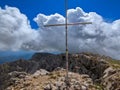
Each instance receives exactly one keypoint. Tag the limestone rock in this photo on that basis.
(40, 72)
(17, 74)
(112, 81)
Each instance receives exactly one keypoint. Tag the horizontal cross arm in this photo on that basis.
(78, 23)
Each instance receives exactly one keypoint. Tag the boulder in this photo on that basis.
(40, 72)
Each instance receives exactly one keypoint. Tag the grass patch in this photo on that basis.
(114, 63)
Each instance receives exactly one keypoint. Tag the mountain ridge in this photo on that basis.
(93, 65)
(11, 56)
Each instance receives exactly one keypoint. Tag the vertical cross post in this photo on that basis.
(66, 40)
(66, 36)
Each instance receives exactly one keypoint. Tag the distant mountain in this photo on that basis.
(9, 56)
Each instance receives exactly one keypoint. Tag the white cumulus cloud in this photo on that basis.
(14, 29)
(100, 37)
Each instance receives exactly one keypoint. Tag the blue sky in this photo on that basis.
(108, 9)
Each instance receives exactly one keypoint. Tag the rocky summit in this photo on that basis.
(45, 71)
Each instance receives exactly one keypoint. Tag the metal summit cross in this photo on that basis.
(66, 34)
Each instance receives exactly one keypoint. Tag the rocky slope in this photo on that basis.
(55, 80)
(101, 72)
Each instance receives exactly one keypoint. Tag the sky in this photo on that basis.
(109, 9)
(22, 26)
